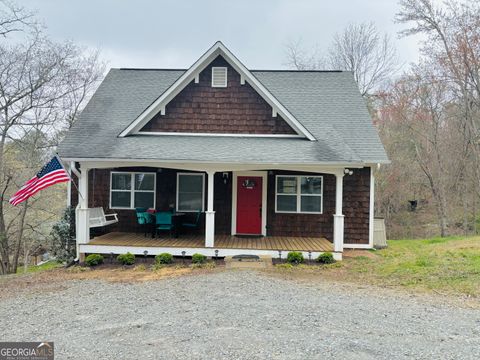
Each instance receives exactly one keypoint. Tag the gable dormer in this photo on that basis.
(218, 104)
(198, 108)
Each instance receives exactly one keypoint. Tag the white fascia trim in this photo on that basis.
(217, 49)
(216, 166)
(339, 165)
(321, 168)
(177, 251)
(377, 163)
(156, 133)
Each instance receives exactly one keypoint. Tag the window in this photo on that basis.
(190, 196)
(131, 190)
(219, 76)
(299, 194)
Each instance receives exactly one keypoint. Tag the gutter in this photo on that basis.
(358, 164)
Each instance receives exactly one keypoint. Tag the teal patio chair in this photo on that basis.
(195, 223)
(164, 221)
(144, 219)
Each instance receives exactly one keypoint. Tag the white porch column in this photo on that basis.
(83, 228)
(69, 184)
(372, 208)
(210, 214)
(338, 218)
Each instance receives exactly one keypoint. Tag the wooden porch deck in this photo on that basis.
(284, 243)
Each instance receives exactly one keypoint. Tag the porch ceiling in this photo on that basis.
(284, 243)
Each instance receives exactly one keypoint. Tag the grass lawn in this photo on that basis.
(449, 266)
(34, 268)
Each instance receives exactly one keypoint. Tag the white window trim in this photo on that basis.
(299, 195)
(226, 76)
(203, 190)
(132, 191)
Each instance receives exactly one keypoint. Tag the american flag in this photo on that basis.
(52, 173)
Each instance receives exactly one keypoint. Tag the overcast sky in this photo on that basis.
(173, 34)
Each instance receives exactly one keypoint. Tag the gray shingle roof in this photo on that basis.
(328, 104)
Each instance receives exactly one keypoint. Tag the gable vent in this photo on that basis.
(219, 77)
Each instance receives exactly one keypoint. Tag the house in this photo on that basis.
(275, 160)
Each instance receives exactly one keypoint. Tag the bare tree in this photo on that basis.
(429, 119)
(14, 18)
(419, 104)
(297, 57)
(43, 86)
(453, 46)
(359, 48)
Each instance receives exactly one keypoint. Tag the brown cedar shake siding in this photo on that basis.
(235, 109)
(356, 204)
(356, 208)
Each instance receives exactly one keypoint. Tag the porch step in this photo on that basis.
(248, 262)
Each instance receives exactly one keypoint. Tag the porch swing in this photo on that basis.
(96, 216)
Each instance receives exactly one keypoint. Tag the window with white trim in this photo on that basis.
(190, 192)
(219, 76)
(299, 194)
(130, 190)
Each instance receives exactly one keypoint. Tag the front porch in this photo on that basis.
(282, 208)
(227, 245)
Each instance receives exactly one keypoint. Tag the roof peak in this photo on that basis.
(192, 74)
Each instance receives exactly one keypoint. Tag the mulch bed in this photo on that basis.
(111, 261)
(277, 261)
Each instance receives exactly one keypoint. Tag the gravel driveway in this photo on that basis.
(238, 315)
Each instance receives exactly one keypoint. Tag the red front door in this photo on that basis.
(249, 205)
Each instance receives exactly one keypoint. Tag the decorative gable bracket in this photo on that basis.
(192, 74)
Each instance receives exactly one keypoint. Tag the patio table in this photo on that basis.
(176, 221)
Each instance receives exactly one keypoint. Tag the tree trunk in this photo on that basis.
(465, 207)
(441, 205)
(25, 257)
(4, 243)
(18, 243)
(474, 210)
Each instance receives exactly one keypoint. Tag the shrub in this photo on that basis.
(295, 257)
(126, 259)
(164, 258)
(198, 259)
(62, 237)
(94, 259)
(326, 258)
